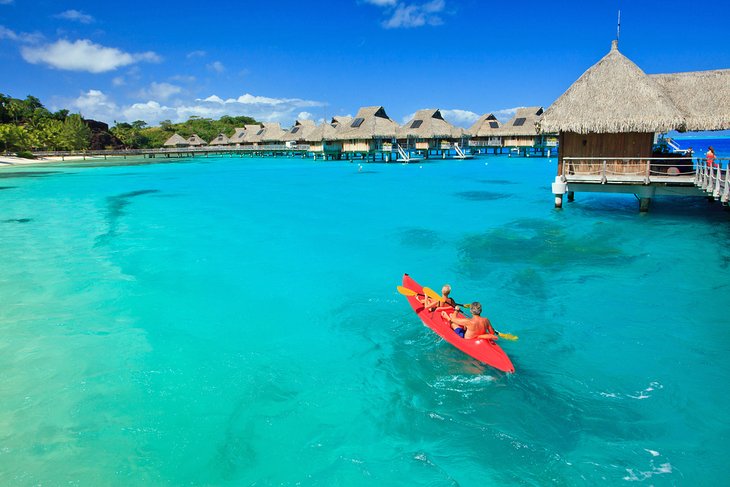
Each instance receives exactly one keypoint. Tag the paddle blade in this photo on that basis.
(431, 293)
(406, 292)
(508, 336)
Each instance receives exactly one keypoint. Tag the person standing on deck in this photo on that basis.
(710, 156)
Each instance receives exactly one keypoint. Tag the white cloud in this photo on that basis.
(305, 116)
(95, 104)
(505, 114)
(23, 37)
(75, 16)
(461, 118)
(407, 15)
(160, 91)
(196, 54)
(416, 15)
(118, 81)
(216, 66)
(6, 2)
(83, 55)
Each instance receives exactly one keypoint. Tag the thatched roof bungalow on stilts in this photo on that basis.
(252, 134)
(485, 132)
(369, 133)
(608, 118)
(272, 134)
(299, 132)
(176, 141)
(521, 130)
(428, 130)
(195, 141)
(220, 140)
(323, 139)
(237, 137)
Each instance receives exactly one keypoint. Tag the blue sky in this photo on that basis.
(314, 59)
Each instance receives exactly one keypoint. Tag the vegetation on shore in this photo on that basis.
(26, 125)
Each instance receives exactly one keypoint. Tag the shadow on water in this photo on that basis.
(115, 210)
(420, 238)
(18, 220)
(540, 243)
(7, 187)
(482, 195)
(500, 182)
(27, 174)
(264, 398)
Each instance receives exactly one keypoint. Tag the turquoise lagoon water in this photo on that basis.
(236, 322)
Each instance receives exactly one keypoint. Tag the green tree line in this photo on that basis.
(26, 125)
(139, 135)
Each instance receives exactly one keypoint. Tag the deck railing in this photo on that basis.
(715, 180)
(628, 169)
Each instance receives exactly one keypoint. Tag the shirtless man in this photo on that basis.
(444, 302)
(474, 327)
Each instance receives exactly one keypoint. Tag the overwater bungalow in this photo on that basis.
(251, 135)
(369, 134)
(520, 133)
(220, 140)
(427, 131)
(485, 133)
(176, 141)
(237, 137)
(195, 141)
(323, 139)
(607, 121)
(272, 134)
(300, 132)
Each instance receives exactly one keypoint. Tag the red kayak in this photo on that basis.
(483, 350)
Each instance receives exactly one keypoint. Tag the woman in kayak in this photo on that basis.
(474, 327)
(443, 302)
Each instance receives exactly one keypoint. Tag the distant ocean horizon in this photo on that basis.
(700, 143)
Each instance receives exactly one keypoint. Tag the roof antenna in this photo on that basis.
(618, 28)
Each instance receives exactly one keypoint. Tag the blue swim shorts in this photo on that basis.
(460, 331)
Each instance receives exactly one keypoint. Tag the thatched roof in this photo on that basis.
(523, 123)
(613, 96)
(703, 97)
(429, 124)
(272, 133)
(369, 123)
(252, 133)
(175, 141)
(195, 141)
(329, 131)
(237, 136)
(221, 139)
(300, 131)
(486, 126)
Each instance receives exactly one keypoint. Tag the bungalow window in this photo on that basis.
(295, 130)
(357, 122)
(416, 124)
(519, 122)
(494, 125)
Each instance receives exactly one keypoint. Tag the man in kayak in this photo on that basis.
(474, 327)
(443, 302)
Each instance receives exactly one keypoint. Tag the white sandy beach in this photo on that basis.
(20, 161)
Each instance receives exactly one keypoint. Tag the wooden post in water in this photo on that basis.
(644, 204)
